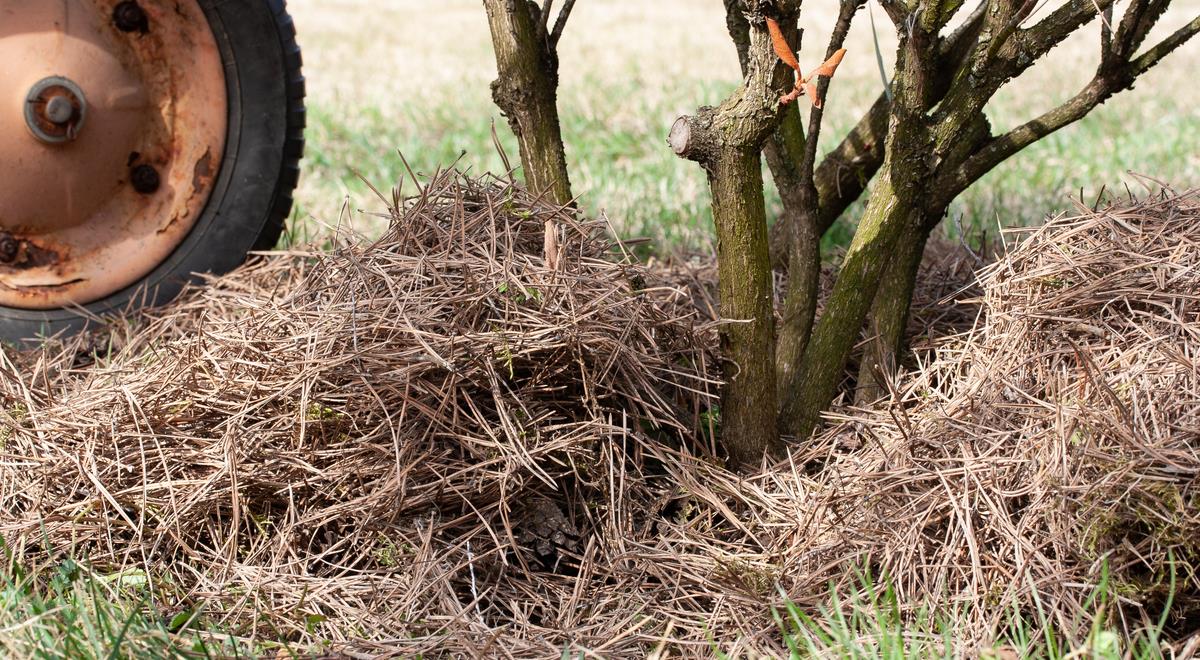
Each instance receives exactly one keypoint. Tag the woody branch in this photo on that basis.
(727, 142)
(526, 91)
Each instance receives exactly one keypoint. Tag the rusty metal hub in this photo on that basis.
(113, 118)
(55, 110)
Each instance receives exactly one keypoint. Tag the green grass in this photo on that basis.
(616, 168)
(68, 610)
(871, 624)
(374, 93)
(629, 175)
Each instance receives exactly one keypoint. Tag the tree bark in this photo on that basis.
(889, 316)
(938, 141)
(748, 409)
(526, 91)
(843, 173)
(785, 153)
(837, 332)
(898, 187)
(800, 302)
(1112, 78)
(749, 401)
(966, 150)
(727, 141)
(804, 270)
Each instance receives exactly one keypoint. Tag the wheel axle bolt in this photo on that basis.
(145, 179)
(59, 110)
(8, 248)
(55, 110)
(129, 17)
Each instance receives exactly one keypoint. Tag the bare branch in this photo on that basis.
(1103, 86)
(785, 149)
(844, 172)
(846, 13)
(804, 258)
(1014, 22)
(1151, 57)
(897, 11)
(561, 23)
(1050, 31)
(1106, 39)
(547, 5)
(1137, 22)
(991, 64)
(970, 27)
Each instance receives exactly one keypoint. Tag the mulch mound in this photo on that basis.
(1054, 446)
(433, 444)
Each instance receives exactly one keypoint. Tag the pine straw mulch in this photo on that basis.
(431, 444)
(1057, 439)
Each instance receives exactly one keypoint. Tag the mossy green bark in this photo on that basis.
(938, 141)
(749, 402)
(899, 185)
(728, 142)
(838, 330)
(889, 316)
(799, 304)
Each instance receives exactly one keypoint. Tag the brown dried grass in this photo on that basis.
(1060, 434)
(432, 444)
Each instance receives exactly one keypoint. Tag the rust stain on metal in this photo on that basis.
(17, 253)
(160, 102)
(202, 172)
(168, 225)
(33, 255)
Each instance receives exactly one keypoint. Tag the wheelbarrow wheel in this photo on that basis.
(144, 143)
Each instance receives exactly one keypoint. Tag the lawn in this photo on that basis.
(400, 80)
(400, 77)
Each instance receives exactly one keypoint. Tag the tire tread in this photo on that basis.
(297, 117)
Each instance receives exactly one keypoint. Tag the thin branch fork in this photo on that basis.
(1139, 18)
(745, 119)
(550, 35)
(526, 92)
(837, 39)
(804, 262)
(991, 65)
(544, 15)
(1038, 39)
(898, 12)
(561, 23)
(1108, 81)
(842, 174)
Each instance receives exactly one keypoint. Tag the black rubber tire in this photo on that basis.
(252, 196)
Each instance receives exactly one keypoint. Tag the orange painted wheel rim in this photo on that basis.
(113, 118)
